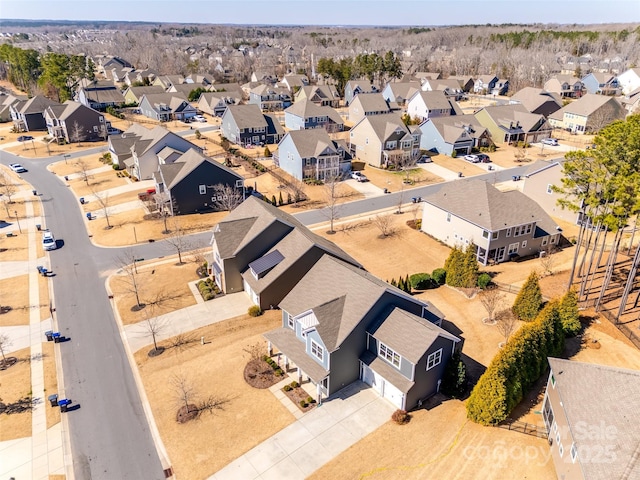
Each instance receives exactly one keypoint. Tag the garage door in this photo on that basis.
(372, 378)
(252, 295)
(380, 385)
(392, 394)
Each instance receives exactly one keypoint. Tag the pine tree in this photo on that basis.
(407, 284)
(280, 201)
(289, 199)
(273, 201)
(569, 313)
(529, 299)
(454, 267)
(393, 282)
(470, 267)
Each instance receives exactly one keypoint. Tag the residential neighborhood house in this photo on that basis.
(247, 125)
(460, 134)
(164, 107)
(367, 104)
(28, 115)
(431, 104)
(537, 100)
(354, 87)
(304, 114)
(510, 124)
(73, 122)
(567, 86)
(588, 114)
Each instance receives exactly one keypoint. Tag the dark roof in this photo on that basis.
(266, 262)
(286, 341)
(386, 371)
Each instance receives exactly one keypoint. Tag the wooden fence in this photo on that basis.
(522, 427)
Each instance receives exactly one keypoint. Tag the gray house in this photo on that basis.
(270, 98)
(164, 107)
(6, 101)
(502, 225)
(431, 104)
(537, 101)
(366, 105)
(460, 134)
(28, 115)
(400, 92)
(321, 95)
(341, 324)
(74, 122)
(354, 87)
(247, 125)
(590, 412)
(190, 183)
(99, 95)
(310, 154)
(215, 103)
(264, 252)
(304, 115)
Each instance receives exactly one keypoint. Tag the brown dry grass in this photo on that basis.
(15, 293)
(14, 248)
(57, 477)
(249, 417)
(70, 166)
(167, 278)
(394, 181)
(457, 164)
(15, 383)
(50, 382)
(98, 182)
(27, 148)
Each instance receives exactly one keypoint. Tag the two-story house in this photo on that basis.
(629, 80)
(485, 84)
(466, 82)
(431, 104)
(73, 122)
(133, 95)
(262, 251)
(247, 125)
(589, 114)
(450, 86)
(502, 225)
(310, 154)
(6, 101)
(384, 140)
(321, 95)
(304, 115)
(355, 87)
(341, 324)
(567, 86)
(367, 104)
(270, 98)
(590, 417)
(28, 115)
(601, 83)
(164, 107)
(459, 134)
(400, 92)
(509, 124)
(294, 82)
(537, 101)
(99, 94)
(215, 103)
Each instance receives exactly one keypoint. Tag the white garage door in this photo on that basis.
(380, 385)
(252, 295)
(392, 394)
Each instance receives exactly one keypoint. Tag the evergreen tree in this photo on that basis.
(454, 379)
(280, 201)
(529, 299)
(407, 284)
(289, 199)
(273, 201)
(470, 267)
(569, 313)
(454, 265)
(393, 282)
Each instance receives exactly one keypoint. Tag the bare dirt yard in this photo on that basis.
(247, 416)
(15, 384)
(15, 295)
(397, 180)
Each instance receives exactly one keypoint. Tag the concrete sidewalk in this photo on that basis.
(316, 438)
(442, 172)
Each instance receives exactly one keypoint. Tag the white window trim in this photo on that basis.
(524, 243)
(318, 350)
(549, 188)
(202, 189)
(291, 322)
(448, 217)
(434, 359)
(574, 452)
(389, 355)
(508, 232)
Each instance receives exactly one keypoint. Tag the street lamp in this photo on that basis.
(15, 212)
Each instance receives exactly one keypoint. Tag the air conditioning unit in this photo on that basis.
(543, 254)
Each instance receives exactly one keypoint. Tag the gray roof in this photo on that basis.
(172, 100)
(596, 395)
(64, 111)
(37, 104)
(188, 162)
(371, 102)
(436, 100)
(322, 91)
(365, 85)
(286, 341)
(104, 96)
(505, 115)
(145, 89)
(385, 125)
(532, 98)
(404, 89)
(247, 116)
(306, 109)
(587, 105)
(387, 372)
(481, 204)
(312, 143)
(451, 127)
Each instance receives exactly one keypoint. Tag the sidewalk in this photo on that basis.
(441, 172)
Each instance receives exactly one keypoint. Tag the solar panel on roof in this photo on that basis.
(265, 263)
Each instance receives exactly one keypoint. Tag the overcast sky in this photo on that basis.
(330, 12)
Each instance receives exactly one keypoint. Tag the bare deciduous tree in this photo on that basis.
(128, 265)
(415, 209)
(178, 241)
(83, 170)
(5, 342)
(332, 195)
(184, 392)
(103, 201)
(491, 299)
(153, 326)
(77, 135)
(505, 323)
(296, 189)
(8, 188)
(547, 260)
(226, 197)
(211, 403)
(255, 351)
(384, 224)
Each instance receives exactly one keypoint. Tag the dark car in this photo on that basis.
(25, 138)
(484, 158)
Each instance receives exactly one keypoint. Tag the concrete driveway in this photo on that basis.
(320, 435)
(368, 189)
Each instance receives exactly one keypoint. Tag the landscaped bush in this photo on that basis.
(462, 267)
(439, 276)
(254, 311)
(529, 299)
(278, 371)
(484, 279)
(454, 380)
(569, 314)
(303, 404)
(287, 388)
(294, 384)
(420, 281)
(401, 417)
(516, 367)
(266, 358)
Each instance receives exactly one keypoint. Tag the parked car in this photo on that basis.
(484, 158)
(199, 118)
(550, 141)
(359, 176)
(114, 131)
(472, 158)
(25, 138)
(425, 159)
(16, 167)
(48, 240)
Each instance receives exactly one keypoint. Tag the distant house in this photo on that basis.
(106, 63)
(451, 87)
(310, 154)
(354, 87)
(587, 409)
(629, 80)
(6, 101)
(247, 125)
(185, 89)
(270, 98)
(424, 105)
(215, 103)
(189, 183)
(485, 84)
(73, 122)
(631, 102)
(341, 324)
(510, 124)
(262, 251)
(164, 107)
(28, 115)
(133, 95)
(367, 104)
(294, 82)
(167, 81)
(138, 149)
(466, 82)
(589, 114)
(601, 83)
(99, 95)
(384, 140)
(321, 95)
(144, 76)
(400, 92)
(501, 224)
(537, 101)
(427, 76)
(460, 134)
(304, 115)
(567, 86)
(263, 77)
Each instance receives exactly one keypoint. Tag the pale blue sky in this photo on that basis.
(330, 12)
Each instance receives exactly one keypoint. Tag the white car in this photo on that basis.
(199, 118)
(16, 167)
(550, 141)
(48, 240)
(472, 158)
(359, 176)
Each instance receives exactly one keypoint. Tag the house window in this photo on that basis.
(553, 240)
(290, 321)
(389, 355)
(528, 229)
(549, 189)
(485, 234)
(95, 128)
(553, 381)
(495, 235)
(574, 452)
(448, 217)
(544, 241)
(239, 183)
(508, 232)
(317, 351)
(202, 189)
(434, 359)
(513, 247)
(366, 141)
(101, 119)
(524, 243)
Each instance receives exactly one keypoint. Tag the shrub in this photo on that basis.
(254, 311)
(529, 299)
(198, 134)
(309, 399)
(454, 265)
(484, 279)
(454, 379)
(295, 384)
(287, 388)
(209, 295)
(266, 358)
(420, 281)
(418, 224)
(454, 154)
(278, 371)
(401, 417)
(303, 404)
(569, 314)
(439, 276)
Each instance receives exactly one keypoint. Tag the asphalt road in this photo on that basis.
(110, 436)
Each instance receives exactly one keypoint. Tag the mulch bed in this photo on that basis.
(259, 374)
(298, 393)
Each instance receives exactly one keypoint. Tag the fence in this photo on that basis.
(509, 288)
(522, 427)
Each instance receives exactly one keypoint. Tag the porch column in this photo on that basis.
(269, 348)
(299, 376)
(286, 363)
(319, 393)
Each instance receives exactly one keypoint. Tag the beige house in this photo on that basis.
(513, 123)
(367, 104)
(588, 114)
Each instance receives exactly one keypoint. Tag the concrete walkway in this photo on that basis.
(442, 172)
(313, 440)
(129, 187)
(188, 319)
(368, 189)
